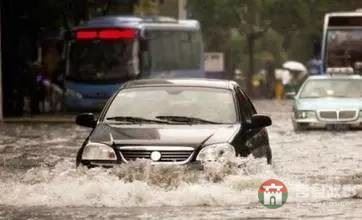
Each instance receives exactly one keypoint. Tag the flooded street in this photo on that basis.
(322, 170)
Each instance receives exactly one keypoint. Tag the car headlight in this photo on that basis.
(305, 114)
(97, 151)
(216, 152)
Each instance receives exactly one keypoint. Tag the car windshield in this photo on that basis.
(101, 61)
(176, 104)
(344, 88)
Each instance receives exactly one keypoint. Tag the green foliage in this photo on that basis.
(55, 14)
(146, 7)
(288, 27)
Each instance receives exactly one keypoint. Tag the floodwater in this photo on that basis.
(38, 179)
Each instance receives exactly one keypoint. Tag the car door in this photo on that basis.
(249, 140)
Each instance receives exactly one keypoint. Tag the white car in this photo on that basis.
(329, 101)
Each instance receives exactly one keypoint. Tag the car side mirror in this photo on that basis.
(259, 121)
(86, 120)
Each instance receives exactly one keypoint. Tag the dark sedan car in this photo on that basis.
(178, 121)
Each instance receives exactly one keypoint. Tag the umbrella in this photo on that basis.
(294, 66)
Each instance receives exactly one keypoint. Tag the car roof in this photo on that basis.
(327, 76)
(345, 14)
(207, 83)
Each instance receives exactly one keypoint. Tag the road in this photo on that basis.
(38, 179)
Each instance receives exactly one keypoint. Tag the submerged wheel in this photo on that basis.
(300, 126)
(264, 151)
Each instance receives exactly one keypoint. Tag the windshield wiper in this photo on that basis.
(339, 96)
(135, 120)
(186, 119)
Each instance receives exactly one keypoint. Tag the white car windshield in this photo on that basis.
(344, 88)
(207, 104)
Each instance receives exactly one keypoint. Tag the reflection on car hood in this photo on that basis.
(329, 103)
(171, 135)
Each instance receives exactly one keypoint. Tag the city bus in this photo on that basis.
(106, 52)
(342, 41)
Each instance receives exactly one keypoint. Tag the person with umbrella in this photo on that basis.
(298, 73)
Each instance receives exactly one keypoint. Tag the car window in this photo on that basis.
(250, 105)
(246, 108)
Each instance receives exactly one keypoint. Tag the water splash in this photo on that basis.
(140, 184)
(134, 184)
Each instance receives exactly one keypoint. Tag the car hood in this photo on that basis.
(328, 103)
(171, 135)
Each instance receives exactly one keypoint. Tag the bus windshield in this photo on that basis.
(344, 47)
(101, 61)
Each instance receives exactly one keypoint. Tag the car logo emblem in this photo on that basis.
(155, 156)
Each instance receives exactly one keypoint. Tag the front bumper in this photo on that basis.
(197, 165)
(317, 123)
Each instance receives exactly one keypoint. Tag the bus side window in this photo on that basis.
(145, 56)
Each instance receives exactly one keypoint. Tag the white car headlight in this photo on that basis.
(305, 114)
(216, 152)
(97, 151)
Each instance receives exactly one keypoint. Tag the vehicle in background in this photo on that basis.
(342, 41)
(106, 52)
(176, 121)
(329, 101)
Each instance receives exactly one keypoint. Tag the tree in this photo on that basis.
(251, 24)
(146, 7)
(297, 24)
(219, 18)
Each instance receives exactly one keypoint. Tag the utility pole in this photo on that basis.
(182, 13)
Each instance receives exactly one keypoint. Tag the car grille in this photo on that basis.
(328, 114)
(168, 154)
(347, 114)
(342, 115)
